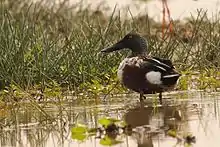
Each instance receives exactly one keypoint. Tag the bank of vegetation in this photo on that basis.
(53, 49)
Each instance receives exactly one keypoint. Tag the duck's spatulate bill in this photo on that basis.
(117, 46)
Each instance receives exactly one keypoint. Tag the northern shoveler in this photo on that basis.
(142, 73)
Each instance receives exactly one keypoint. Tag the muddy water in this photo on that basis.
(49, 125)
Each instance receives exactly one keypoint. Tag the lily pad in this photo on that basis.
(109, 141)
(79, 129)
(79, 137)
(107, 121)
(79, 132)
(172, 133)
(92, 130)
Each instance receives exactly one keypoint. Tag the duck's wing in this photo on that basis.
(164, 61)
(156, 64)
(163, 69)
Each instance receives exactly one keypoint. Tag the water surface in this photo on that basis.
(27, 125)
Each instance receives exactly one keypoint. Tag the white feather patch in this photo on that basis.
(160, 62)
(120, 69)
(133, 61)
(154, 77)
(126, 61)
(161, 68)
(139, 62)
(170, 76)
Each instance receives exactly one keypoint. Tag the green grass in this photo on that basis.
(45, 47)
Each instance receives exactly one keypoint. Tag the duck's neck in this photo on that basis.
(133, 54)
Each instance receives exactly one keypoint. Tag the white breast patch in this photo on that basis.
(133, 61)
(154, 77)
(120, 69)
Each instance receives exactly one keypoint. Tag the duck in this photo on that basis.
(141, 72)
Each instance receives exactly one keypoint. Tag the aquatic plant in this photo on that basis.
(111, 128)
(58, 45)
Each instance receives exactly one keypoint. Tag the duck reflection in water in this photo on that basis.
(150, 122)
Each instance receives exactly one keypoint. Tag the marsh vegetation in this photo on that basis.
(44, 47)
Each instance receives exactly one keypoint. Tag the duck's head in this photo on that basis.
(132, 41)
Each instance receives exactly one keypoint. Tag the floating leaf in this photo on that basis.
(109, 141)
(187, 145)
(92, 130)
(172, 133)
(79, 129)
(107, 121)
(79, 132)
(79, 137)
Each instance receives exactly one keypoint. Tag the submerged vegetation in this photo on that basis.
(46, 50)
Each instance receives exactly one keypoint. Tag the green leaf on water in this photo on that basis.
(92, 130)
(187, 145)
(79, 132)
(79, 129)
(172, 133)
(109, 141)
(107, 121)
(79, 137)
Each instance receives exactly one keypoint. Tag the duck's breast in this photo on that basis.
(131, 75)
(133, 62)
(121, 69)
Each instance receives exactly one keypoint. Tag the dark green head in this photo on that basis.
(132, 41)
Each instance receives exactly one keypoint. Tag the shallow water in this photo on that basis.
(27, 125)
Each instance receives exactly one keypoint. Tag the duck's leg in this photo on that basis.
(160, 97)
(142, 97)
